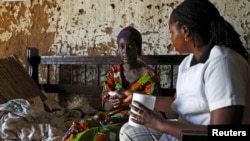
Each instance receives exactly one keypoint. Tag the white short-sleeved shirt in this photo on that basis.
(221, 81)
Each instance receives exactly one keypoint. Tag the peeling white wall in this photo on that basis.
(90, 27)
(87, 27)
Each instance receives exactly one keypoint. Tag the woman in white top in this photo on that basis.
(213, 80)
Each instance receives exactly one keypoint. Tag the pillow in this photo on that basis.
(15, 81)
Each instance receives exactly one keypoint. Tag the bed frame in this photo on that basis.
(89, 62)
(93, 90)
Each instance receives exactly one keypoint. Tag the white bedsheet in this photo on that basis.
(27, 120)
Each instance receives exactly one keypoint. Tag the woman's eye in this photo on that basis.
(121, 46)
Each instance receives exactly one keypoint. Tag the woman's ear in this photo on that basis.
(185, 31)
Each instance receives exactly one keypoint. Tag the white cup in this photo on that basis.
(146, 100)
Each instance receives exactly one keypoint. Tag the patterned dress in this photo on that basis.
(102, 124)
(149, 83)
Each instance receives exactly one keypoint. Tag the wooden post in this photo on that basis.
(34, 59)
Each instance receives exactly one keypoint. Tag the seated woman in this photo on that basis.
(131, 76)
(213, 80)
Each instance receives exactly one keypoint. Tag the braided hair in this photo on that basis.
(202, 18)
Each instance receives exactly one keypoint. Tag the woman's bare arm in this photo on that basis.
(226, 115)
(163, 104)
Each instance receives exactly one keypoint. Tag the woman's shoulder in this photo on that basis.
(116, 68)
(147, 69)
(153, 75)
(222, 55)
(186, 61)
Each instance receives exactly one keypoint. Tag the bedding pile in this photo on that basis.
(33, 119)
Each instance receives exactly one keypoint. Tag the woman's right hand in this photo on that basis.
(144, 116)
(116, 99)
(120, 97)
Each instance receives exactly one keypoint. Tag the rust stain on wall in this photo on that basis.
(27, 27)
(108, 30)
(82, 11)
(40, 37)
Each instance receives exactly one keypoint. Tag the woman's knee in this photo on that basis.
(130, 133)
(124, 132)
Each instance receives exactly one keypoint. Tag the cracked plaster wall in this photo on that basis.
(89, 27)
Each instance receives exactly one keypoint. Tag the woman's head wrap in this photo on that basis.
(134, 34)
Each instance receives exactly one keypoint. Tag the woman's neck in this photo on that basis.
(198, 52)
(131, 66)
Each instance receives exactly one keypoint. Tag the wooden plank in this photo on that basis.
(107, 60)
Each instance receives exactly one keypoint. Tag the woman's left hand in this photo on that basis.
(127, 96)
(144, 116)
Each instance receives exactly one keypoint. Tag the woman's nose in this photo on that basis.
(124, 49)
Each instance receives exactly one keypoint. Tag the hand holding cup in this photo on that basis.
(146, 100)
(115, 98)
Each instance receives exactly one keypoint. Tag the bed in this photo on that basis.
(69, 87)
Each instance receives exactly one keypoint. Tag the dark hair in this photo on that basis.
(134, 34)
(202, 18)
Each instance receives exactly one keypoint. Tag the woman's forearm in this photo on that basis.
(174, 127)
(163, 104)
